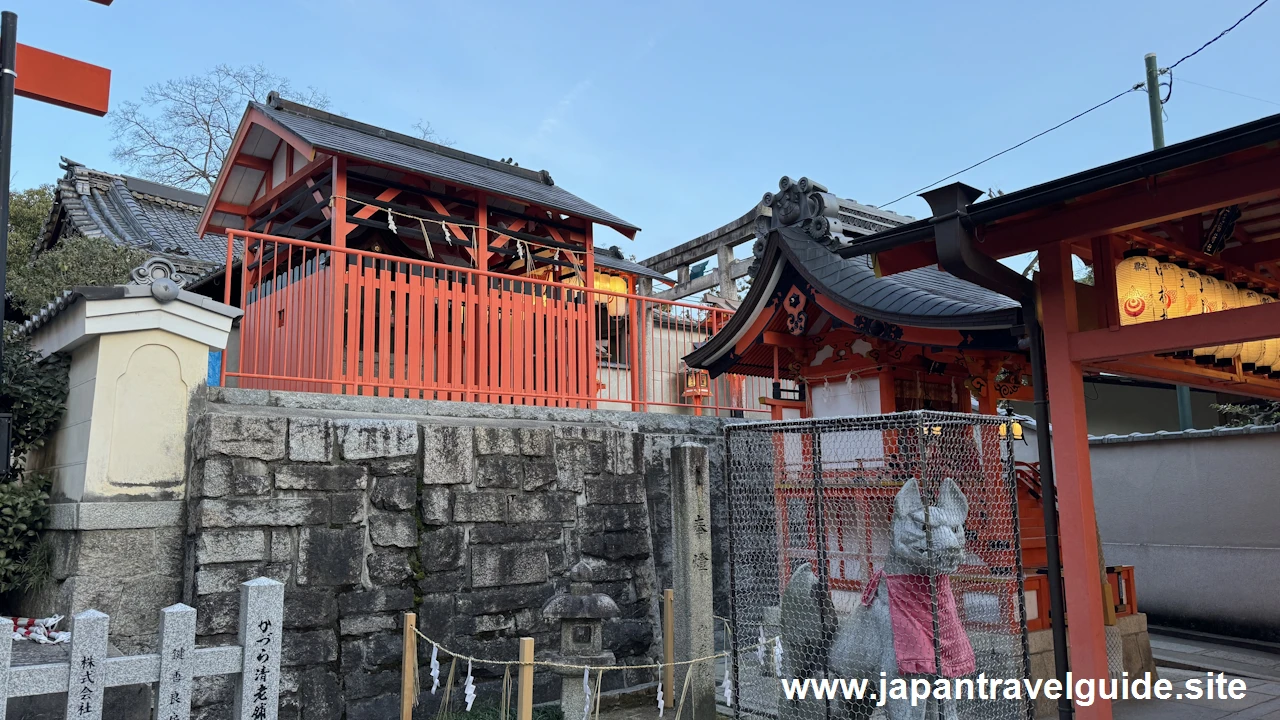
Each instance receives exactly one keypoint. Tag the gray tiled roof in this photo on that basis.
(68, 298)
(338, 134)
(924, 297)
(127, 211)
(162, 221)
(608, 258)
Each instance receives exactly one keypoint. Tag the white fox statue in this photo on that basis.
(891, 630)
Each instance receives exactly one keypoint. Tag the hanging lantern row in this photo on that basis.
(1150, 289)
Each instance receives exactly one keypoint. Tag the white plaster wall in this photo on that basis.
(138, 442)
(64, 455)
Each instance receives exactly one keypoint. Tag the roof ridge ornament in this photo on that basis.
(162, 275)
(805, 204)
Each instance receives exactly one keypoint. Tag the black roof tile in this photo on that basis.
(341, 135)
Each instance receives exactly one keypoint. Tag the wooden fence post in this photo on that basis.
(525, 703)
(409, 666)
(668, 647)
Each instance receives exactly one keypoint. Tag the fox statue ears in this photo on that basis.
(950, 499)
(908, 499)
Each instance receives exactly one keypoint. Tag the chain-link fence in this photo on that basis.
(868, 545)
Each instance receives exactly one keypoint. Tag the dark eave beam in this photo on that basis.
(253, 162)
(298, 194)
(290, 184)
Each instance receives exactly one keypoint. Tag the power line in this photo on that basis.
(1218, 37)
(1015, 147)
(1231, 92)
(1139, 86)
(1169, 70)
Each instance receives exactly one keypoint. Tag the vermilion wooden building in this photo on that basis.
(370, 262)
(824, 304)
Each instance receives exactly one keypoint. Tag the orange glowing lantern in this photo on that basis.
(695, 383)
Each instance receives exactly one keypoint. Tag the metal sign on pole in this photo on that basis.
(8, 72)
(47, 77)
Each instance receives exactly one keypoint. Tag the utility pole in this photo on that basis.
(8, 73)
(1157, 141)
(1153, 102)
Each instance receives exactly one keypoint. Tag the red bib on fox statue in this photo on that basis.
(910, 611)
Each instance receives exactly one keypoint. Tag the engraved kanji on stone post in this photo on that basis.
(261, 617)
(691, 574)
(88, 671)
(177, 662)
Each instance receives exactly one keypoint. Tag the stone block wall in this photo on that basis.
(472, 522)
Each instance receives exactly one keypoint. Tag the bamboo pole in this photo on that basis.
(525, 703)
(668, 647)
(408, 666)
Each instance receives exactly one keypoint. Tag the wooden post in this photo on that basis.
(525, 703)
(338, 229)
(408, 666)
(589, 266)
(668, 647)
(485, 324)
(1078, 526)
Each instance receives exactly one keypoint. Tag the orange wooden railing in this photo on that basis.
(337, 320)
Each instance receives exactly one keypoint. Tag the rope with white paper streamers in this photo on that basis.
(776, 641)
(592, 696)
(520, 243)
(469, 688)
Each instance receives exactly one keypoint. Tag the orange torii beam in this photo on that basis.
(62, 81)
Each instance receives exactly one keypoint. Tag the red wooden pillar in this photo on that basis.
(888, 391)
(1077, 521)
(634, 343)
(485, 335)
(988, 403)
(339, 227)
(590, 387)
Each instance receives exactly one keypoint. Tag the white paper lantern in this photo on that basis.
(1232, 298)
(1138, 288)
(1250, 352)
(1172, 291)
(1270, 359)
(1210, 302)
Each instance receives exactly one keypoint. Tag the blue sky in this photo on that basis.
(677, 116)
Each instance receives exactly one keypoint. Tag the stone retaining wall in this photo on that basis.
(472, 522)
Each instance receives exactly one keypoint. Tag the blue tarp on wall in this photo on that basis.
(215, 367)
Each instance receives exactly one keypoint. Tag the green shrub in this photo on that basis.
(35, 392)
(75, 260)
(24, 509)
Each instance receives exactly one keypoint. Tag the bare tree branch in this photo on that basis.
(423, 129)
(180, 132)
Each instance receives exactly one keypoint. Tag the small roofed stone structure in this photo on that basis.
(581, 613)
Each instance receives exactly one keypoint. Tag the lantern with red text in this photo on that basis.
(1138, 288)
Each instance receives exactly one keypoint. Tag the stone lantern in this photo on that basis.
(581, 614)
